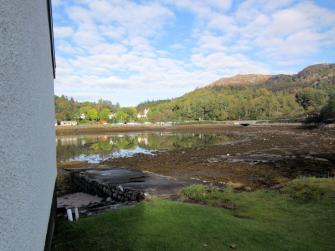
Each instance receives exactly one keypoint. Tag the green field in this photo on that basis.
(300, 217)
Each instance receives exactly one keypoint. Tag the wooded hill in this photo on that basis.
(310, 93)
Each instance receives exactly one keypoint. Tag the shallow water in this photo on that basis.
(96, 148)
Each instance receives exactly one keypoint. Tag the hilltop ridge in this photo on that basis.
(312, 72)
(252, 96)
(242, 79)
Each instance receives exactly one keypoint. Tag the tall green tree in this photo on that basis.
(311, 99)
(328, 111)
(104, 114)
(121, 116)
(92, 114)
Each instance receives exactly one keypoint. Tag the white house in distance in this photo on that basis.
(111, 116)
(68, 123)
(27, 130)
(82, 116)
(143, 114)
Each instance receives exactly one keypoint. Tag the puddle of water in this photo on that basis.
(131, 152)
(121, 153)
(97, 148)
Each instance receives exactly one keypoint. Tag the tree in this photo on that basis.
(311, 99)
(104, 114)
(131, 112)
(121, 116)
(328, 111)
(92, 114)
(65, 108)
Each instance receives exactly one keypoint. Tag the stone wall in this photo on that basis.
(116, 192)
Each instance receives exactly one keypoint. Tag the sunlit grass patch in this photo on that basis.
(208, 195)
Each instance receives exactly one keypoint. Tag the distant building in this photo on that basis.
(143, 114)
(82, 116)
(133, 123)
(111, 116)
(164, 123)
(68, 123)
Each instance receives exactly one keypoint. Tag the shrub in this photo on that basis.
(195, 192)
(328, 112)
(307, 189)
(209, 195)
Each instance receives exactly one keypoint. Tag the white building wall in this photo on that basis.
(27, 136)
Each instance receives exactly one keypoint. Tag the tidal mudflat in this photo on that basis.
(245, 157)
(89, 153)
(233, 188)
(254, 157)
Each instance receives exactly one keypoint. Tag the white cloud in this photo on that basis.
(276, 33)
(135, 19)
(112, 31)
(228, 64)
(63, 32)
(109, 45)
(202, 8)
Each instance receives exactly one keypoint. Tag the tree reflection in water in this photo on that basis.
(95, 148)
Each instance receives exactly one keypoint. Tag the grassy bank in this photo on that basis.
(261, 220)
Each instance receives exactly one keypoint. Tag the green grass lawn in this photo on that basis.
(262, 220)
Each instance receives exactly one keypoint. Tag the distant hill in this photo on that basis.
(248, 79)
(252, 96)
(310, 76)
(319, 75)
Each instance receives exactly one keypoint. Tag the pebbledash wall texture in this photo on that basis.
(27, 136)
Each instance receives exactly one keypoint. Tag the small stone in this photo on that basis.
(233, 246)
(108, 199)
(248, 189)
(205, 245)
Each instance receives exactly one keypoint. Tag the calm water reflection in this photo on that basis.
(94, 148)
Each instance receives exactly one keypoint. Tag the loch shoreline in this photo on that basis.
(260, 156)
(112, 128)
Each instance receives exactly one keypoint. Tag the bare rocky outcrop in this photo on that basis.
(247, 79)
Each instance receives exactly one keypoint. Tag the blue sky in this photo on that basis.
(133, 51)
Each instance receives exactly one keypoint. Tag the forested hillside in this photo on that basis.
(310, 94)
(70, 109)
(299, 96)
